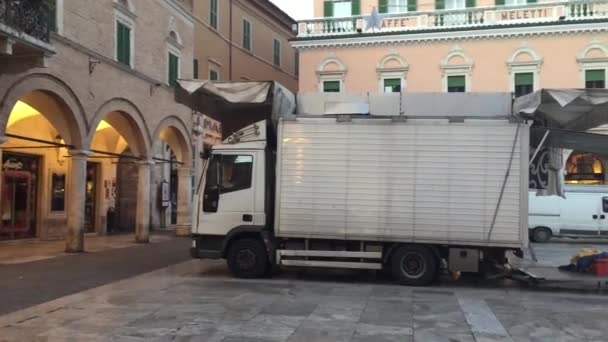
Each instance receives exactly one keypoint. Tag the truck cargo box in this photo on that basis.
(421, 180)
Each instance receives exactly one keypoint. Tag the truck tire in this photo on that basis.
(247, 258)
(414, 265)
(541, 234)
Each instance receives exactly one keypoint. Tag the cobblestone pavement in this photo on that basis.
(198, 301)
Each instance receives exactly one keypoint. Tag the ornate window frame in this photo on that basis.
(399, 72)
(591, 63)
(532, 66)
(464, 69)
(331, 75)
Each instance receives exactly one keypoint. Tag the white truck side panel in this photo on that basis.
(421, 181)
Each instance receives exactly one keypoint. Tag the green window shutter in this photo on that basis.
(595, 75)
(173, 69)
(328, 8)
(277, 52)
(524, 78)
(383, 6)
(123, 44)
(52, 12)
(246, 35)
(456, 81)
(356, 7)
(195, 68)
(500, 2)
(412, 5)
(331, 86)
(439, 4)
(531, 1)
(213, 13)
(392, 82)
(470, 3)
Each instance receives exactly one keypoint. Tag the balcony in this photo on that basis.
(25, 27)
(540, 13)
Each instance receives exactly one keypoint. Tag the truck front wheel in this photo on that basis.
(247, 258)
(414, 265)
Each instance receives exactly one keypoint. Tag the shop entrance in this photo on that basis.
(19, 195)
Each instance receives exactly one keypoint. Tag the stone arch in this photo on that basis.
(174, 38)
(174, 132)
(331, 64)
(593, 50)
(128, 120)
(525, 55)
(62, 107)
(456, 57)
(392, 61)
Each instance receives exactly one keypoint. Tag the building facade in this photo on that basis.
(453, 45)
(388, 46)
(92, 139)
(241, 40)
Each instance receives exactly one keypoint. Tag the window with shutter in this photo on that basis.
(595, 78)
(195, 68)
(173, 69)
(392, 85)
(383, 6)
(400, 6)
(276, 56)
(524, 83)
(331, 86)
(52, 7)
(123, 43)
(246, 35)
(213, 13)
(457, 84)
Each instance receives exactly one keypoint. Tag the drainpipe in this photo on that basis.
(230, 45)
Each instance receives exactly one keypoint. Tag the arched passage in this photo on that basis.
(42, 122)
(585, 168)
(173, 180)
(118, 171)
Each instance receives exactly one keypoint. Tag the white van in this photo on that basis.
(583, 213)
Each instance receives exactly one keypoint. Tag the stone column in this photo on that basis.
(74, 237)
(142, 219)
(184, 201)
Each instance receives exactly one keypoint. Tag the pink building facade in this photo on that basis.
(376, 46)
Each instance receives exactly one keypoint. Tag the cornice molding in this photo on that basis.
(437, 36)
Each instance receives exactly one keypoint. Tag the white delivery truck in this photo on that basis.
(366, 193)
(582, 213)
(406, 183)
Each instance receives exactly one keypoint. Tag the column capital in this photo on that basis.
(79, 153)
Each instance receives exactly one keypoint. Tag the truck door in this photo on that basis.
(581, 214)
(228, 200)
(603, 218)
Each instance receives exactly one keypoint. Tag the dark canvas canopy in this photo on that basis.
(236, 104)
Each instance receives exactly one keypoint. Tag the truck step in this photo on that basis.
(333, 264)
(330, 254)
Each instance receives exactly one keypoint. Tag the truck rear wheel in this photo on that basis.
(247, 258)
(414, 265)
(541, 234)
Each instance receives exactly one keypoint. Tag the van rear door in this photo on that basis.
(581, 214)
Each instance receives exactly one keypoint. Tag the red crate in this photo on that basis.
(600, 267)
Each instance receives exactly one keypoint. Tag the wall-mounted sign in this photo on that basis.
(12, 164)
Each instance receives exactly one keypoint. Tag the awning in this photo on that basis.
(236, 104)
(572, 109)
(571, 140)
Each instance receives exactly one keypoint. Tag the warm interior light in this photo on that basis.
(21, 111)
(103, 124)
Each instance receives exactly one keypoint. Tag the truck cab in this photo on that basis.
(234, 201)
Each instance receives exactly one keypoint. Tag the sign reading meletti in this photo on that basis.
(524, 14)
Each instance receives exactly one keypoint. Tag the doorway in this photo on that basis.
(90, 204)
(19, 195)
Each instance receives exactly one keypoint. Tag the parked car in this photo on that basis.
(583, 213)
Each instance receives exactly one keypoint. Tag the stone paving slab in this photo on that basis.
(198, 301)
